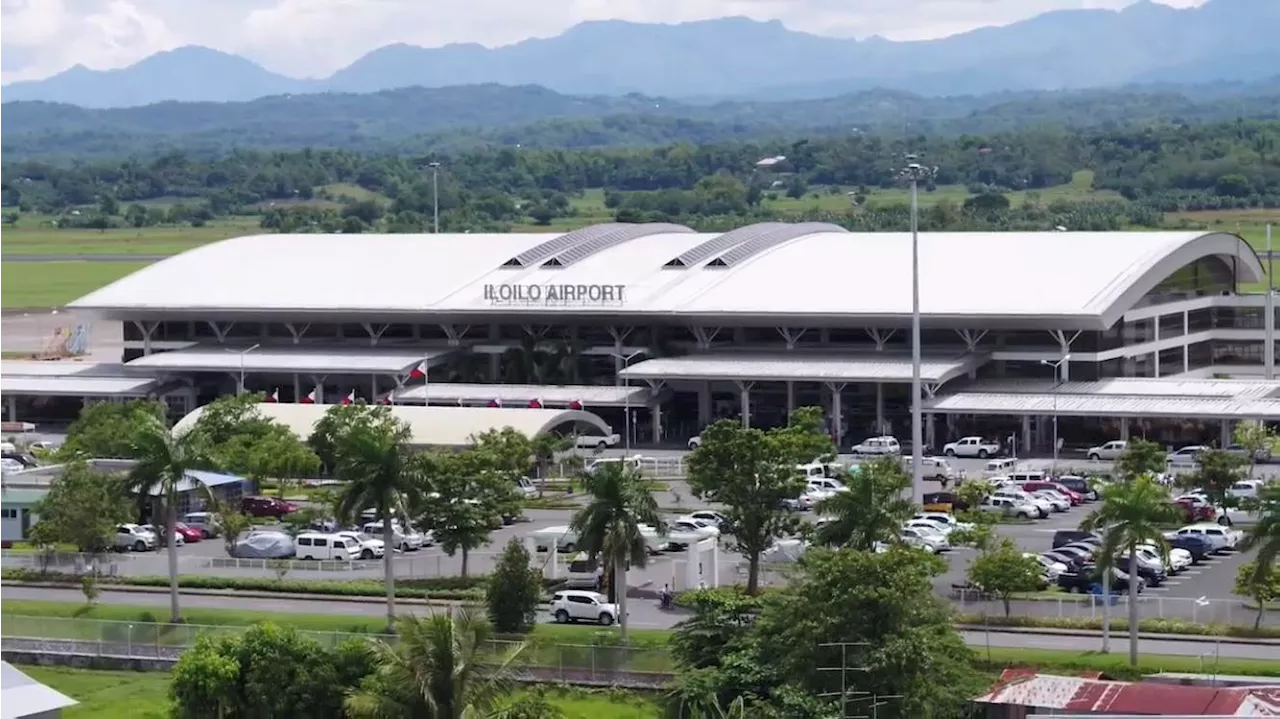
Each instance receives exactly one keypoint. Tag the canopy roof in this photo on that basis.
(69, 378)
(766, 272)
(433, 426)
(518, 395)
(801, 367)
(291, 359)
(26, 697)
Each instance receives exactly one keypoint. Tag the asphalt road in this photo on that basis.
(85, 258)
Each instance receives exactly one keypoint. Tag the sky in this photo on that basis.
(313, 38)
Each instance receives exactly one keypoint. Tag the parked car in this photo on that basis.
(1072, 496)
(1010, 507)
(693, 525)
(935, 468)
(1245, 489)
(944, 502)
(1073, 562)
(574, 605)
(1057, 502)
(402, 540)
(1196, 545)
(1178, 560)
(877, 446)
(266, 507)
(1150, 567)
(8, 466)
(1260, 455)
(945, 521)
(1186, 456)
(971, 447)
(1083, 579)
(189, 533)
(132, 537)
(1195, 511)
(1080, 486)
(596, 441)
(1109, 450)
(1063, 537)
(1223, 538)
(321, 546)
(695, 442)
(158, 531)
(370, 547)
(1043, 507)
(711, 517)
(208, 523)
(930, 539)
(1051, 567)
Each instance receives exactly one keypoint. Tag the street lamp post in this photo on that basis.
(1057, 381)
(913, 173)
(626, 422)
(242, 353)
(435, 197)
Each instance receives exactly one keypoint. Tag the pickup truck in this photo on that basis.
(971, 447)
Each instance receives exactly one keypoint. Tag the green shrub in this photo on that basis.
(1167, 625)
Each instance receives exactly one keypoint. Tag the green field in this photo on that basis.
(54, 284)
(36, 236)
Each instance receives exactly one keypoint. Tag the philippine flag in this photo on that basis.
(419, 372)
(309, 399)
(274, 396)
(349, 398)
(576, 404)
(385, 400)
(495, 402)
(535, 404)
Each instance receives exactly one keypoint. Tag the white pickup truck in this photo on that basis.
(971, 447)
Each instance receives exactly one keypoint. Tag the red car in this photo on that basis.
(1194, 511)
(189, 534)
(1074, 497)
(266, 507)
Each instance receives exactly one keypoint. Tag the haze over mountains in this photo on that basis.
(1146, 42)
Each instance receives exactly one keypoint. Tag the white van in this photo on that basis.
(1001, 466)
(315, 545)
(1027, 476)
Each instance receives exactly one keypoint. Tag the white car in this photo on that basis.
(8, 465)
(574, 605)
(1222, 538)
(596, 441)
(1110, 450)
(971, 447)
(877, 446)
(935, 468)
(929, 539)
(709, 516)
(1186, 456)
(693, 525)
(695, 442)
(131, 537)
(944, 521)
(1057, 502)
(370, 546)
(1260, 455)
(826, 484)
(1051, 568)
(1043, 507)
(402, 540)
(1245, 489)
(178, 539)
(1010, 507)
(1179, 559)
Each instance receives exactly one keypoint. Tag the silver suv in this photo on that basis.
(131, 537)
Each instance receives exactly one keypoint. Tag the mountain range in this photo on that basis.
(739, 58)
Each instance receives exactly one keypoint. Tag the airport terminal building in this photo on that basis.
(1163, 333)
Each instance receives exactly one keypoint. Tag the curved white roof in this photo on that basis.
(428, 426)
(1059, 279)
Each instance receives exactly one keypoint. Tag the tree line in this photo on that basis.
(1156, 169)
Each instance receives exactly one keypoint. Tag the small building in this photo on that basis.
(17, 512)
(1021, 693)
(26, 698)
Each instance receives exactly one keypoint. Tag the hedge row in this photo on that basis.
(1121, 624)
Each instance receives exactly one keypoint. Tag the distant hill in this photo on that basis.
(419, 119)
(1222, 40)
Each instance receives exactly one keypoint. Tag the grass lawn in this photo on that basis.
(54, 284)
(108, 695)
(35, 236)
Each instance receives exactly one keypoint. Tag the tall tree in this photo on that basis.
(107, 430)
(1131, 514)
(439, 668)
(82, 508)
(1216, 471)
(1259, 581)
(609, 528)
(1003, 570)
(513, 591)
(163, 461)
(751, 472)
(1141, 457)
(874, 508)
(1264, 535)
(465, 503)
(1257, 438)
(371, 455)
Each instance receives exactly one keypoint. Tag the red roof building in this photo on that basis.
(1020, 693)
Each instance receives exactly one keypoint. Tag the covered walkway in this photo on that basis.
(436, 426)
(521, 395)
(834, 373)
(88, 381)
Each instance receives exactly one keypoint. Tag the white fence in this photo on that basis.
(1150, 606)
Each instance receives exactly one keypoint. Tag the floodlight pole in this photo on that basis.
(1269, 331)
(913, 173)
(1057, 383)
(626, 421)
(435, 197)
(242, 353)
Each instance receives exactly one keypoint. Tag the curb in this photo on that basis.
(126, 589)
(1123, 634)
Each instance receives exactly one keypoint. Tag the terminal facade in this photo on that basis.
(662, 329)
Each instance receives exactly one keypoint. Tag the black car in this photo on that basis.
(1063, 537)
(1073, 562)
(1084, 579)
(1153, 574)
(1198, 546)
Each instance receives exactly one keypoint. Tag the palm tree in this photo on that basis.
(873, 510)
(1265, 534)
(609, 527)
(163, 461)
(1131, 515)
(372, 457)
(439, 668)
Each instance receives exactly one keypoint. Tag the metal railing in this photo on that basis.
(571, 663)
(1151, 605)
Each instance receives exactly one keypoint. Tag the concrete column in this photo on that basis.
(1155, 356)
(1186, 349)
(617, 361)
(791, 397)
(373, 388)
(1124, 428)
(744, 402)
(715, 564)
(879, 408)
(297, 388)
(1026, 434)
(837, 412)
(657, 422)
(11, 405)
(1225, 437)
(704, 405)
(691, 565)
(930, 430)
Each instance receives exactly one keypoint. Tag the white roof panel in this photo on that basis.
(291, 358)
(516, 395)
(1136, 387)
(26, 697)
(77, 386)
(1104, 406)
(1096, 276)
(802, 367)
(430, 426)
(59, 368)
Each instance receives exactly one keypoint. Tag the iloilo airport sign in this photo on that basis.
(554, 294)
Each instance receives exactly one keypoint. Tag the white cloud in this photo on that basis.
(316, 37)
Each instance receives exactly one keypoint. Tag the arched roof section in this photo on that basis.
(429, 426)
(1130, 286)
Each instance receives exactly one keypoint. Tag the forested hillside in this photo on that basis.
(1134, 175)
